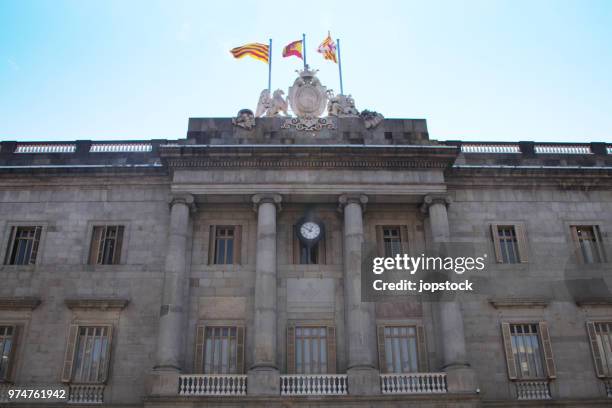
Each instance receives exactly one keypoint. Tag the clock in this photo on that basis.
(310, 230)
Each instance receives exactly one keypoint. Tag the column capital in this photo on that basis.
(186, 199)
(261, 198)
(345, 199)
(431, 199)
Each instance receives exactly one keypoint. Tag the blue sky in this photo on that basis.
(477, 70)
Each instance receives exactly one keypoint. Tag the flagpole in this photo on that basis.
(270, 66)
(340, 66)
(304, 48)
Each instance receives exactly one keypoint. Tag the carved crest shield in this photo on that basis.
(307, 97)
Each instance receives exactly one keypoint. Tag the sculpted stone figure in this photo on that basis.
(371, 119)
(244, 119)
(271, 106)
(341, 105)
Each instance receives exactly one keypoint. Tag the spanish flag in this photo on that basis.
(258, 51)
(294, 48)
(328, 49)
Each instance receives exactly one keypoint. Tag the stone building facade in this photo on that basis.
(169, 272)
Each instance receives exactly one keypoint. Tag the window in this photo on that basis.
(23, 245)
(528, 351)
(600, 336)
(88, 354)
(311, 349)
(225, 244)
(588, 243)
(401, 349)
(8, 345)
(391, 239)
(219, 350)
(304, 255)
(510, 243)
(106, 243)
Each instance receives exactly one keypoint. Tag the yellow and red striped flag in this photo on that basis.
(294, 48)
(258, 51)
(328, 49)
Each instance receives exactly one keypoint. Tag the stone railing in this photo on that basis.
(562, 149)
(533, 390)
(120, 147)
(314, 384)
(413, 383)
(86, 394)
(212, 384)
(490, 148)
(45, 148)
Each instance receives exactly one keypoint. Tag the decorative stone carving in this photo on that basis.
(271, 106)
(341, 105)
(308, 124)
(245, 119)
(371, 119)
(97, 303)
(19, 303)
(307, 97)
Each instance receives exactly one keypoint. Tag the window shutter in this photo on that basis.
(94, 249)
(106, 362)
(118, 245)
(331, 350)
(35, 245)
(577, 251)
(597, 359)
(599, 243)
(296, 246)
(239, 349)
(380, 335)
(507, 340)
(380, 242)
(211, 244)
(496, 244)
(9, 247)
(521, 237)
(322, 251)
(70, 350)
(238, 245)
(198, 362)
(291, 349)
(547, 347)
(404, 238)
(421, 348)
(9, 375)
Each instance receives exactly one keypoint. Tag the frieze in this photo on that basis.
(291, 163)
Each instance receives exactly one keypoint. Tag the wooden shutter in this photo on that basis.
(291, 349)
(9, 375)
(599, 243)
(380, 336)
(237, 245)
(94, 249)
(296, 246)
(211, 244)
(421, 348)
(496, 244)
(118, 245)
(404, 239)
(507, 340)
(577, 251)
(73, 333)
(523, 247)
(9, 247)
(240, 349)
(35, 245)
(547, 347)
(322, 251)
(106, 362)
(331, 350)
(380, 242)
(198, 362)
(597, 357)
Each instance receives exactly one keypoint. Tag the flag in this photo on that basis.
(294, 48)
(254, 50)
(328, 49)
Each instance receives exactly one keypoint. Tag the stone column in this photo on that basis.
(263, 376)
(460, 376)
(169, 358)
(360, 319)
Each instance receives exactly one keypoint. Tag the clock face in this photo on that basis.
(310, 230)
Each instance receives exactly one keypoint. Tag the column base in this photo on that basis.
(363, 381)
(162, 382)
(461, 379)
(263, 381)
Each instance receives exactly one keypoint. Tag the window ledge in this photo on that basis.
(519, 302)
(19, 303)
(97, 303)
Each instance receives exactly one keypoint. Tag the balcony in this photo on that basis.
(533, 390)
(314, 384)
(212, 385)
(413, 383)
(86, 394)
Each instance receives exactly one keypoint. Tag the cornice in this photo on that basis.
(594, 302)
(19, 303)
(96, 303)
(519, 302)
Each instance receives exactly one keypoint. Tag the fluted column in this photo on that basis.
(460, 377)
(360, 317)
(263, 375)
(170, 335)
